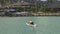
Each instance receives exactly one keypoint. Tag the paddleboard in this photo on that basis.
(31, 25)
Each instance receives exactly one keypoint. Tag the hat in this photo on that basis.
(30, 21)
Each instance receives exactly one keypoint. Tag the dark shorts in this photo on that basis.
(32, 23)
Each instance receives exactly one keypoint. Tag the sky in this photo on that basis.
(43, 0)
(58, 0)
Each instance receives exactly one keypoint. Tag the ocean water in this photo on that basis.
(17, 25)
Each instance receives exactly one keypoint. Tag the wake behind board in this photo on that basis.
(31, 25)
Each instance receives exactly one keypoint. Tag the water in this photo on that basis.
(17, 25)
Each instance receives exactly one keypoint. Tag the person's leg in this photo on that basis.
(32, 23)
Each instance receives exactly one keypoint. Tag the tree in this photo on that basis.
(2, 2)
(49, 1)
(31, 1)
(42, 8)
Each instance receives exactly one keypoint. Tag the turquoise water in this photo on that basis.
(17, 25)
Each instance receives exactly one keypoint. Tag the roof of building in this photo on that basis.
(53, 5)
(21, 3)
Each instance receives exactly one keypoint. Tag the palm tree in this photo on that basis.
(42, 8)
(31, 1)
(49, 1)
(2, 2)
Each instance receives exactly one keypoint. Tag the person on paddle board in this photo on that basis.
(31, 22)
